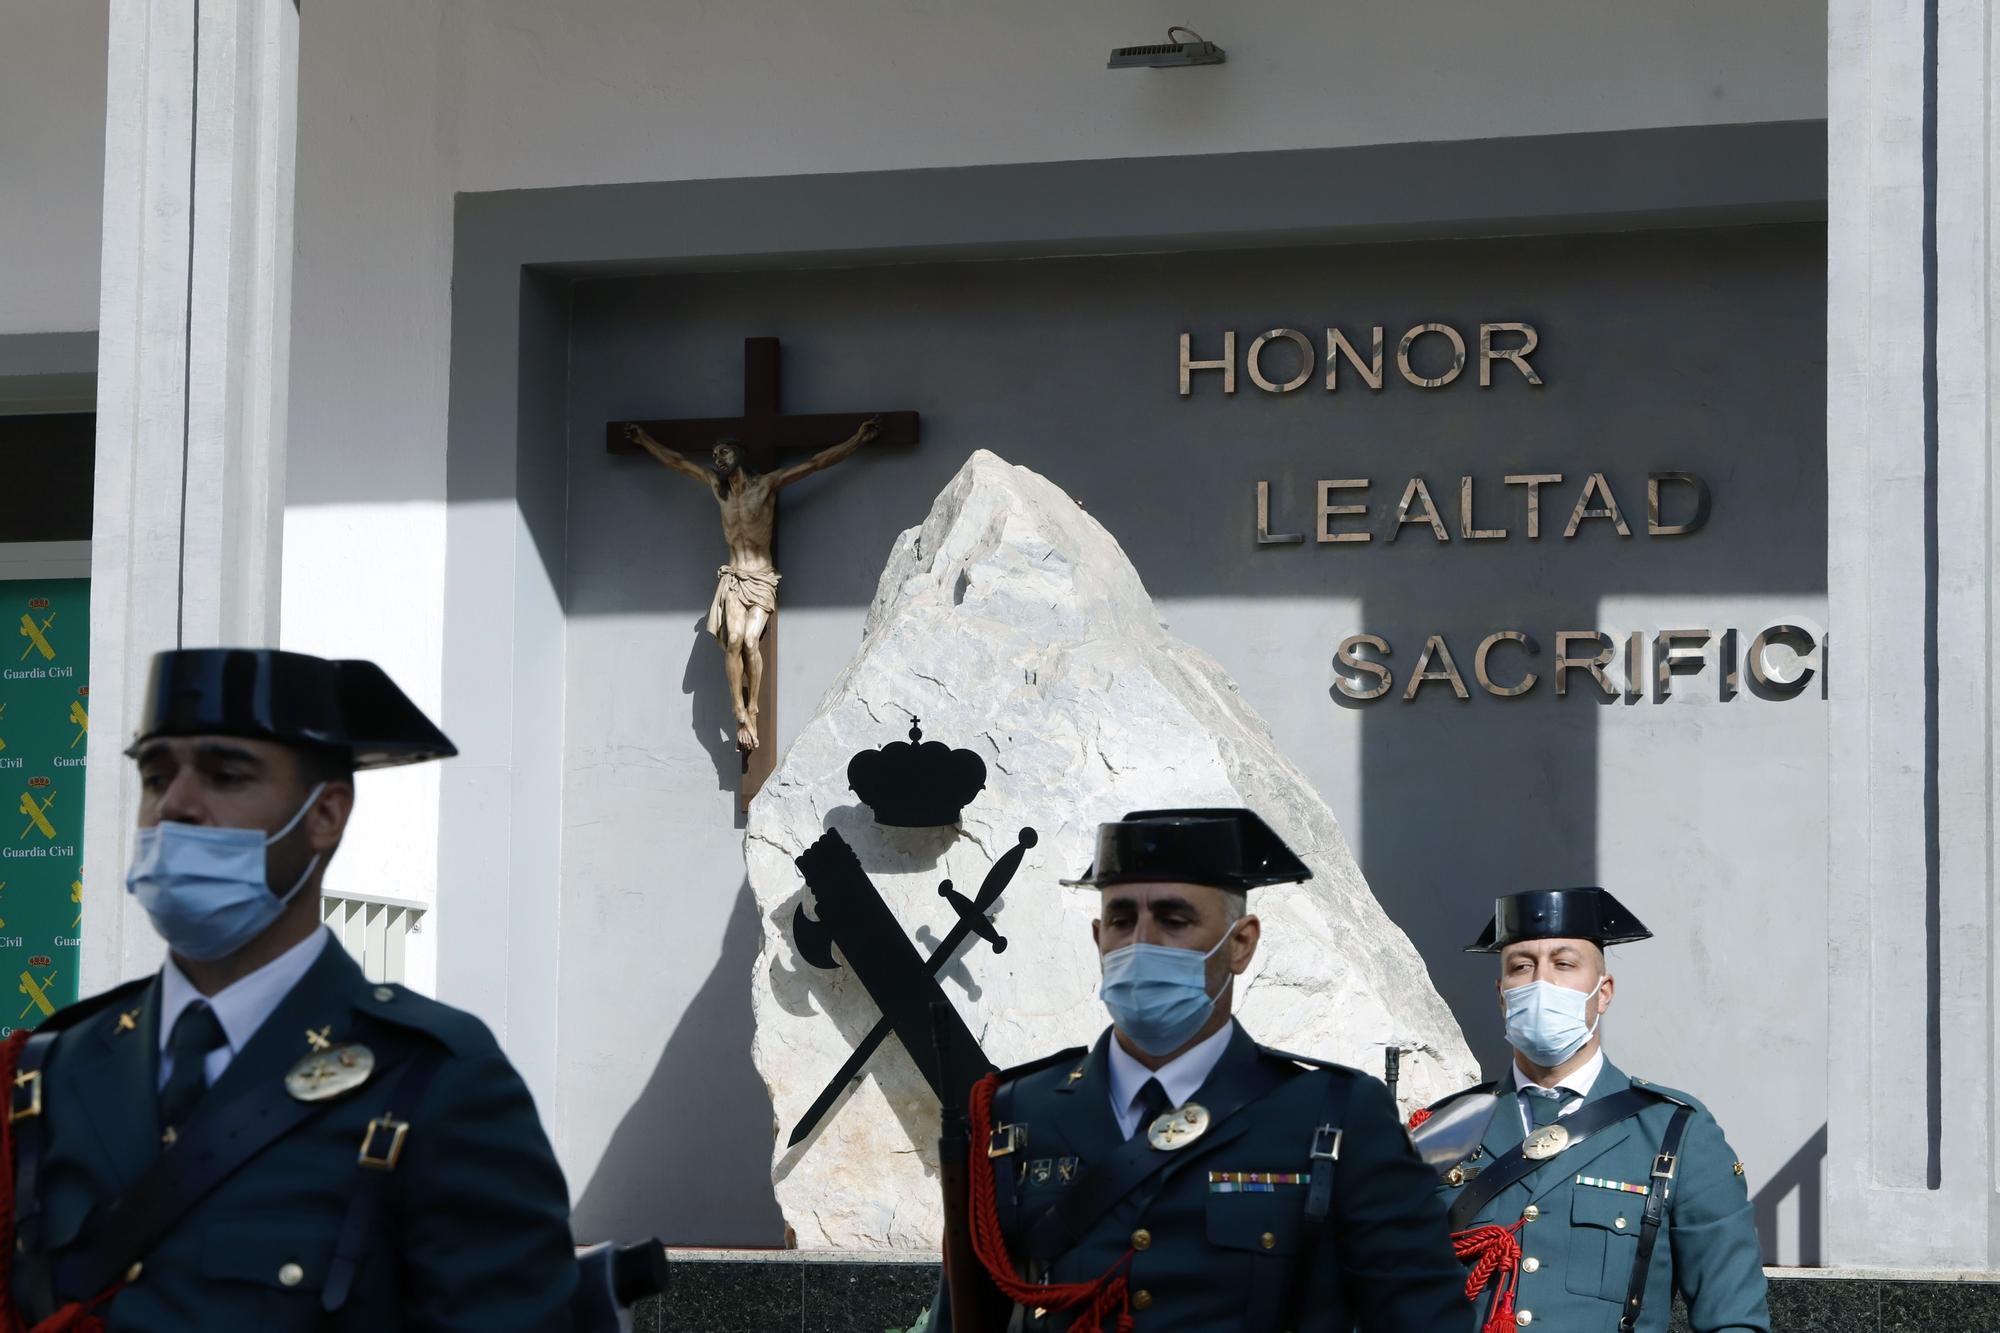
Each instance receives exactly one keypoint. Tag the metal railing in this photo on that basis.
(375, 930)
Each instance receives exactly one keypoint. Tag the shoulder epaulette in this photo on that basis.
(1310, 1061)
(1047, 1062)
(77, 1011)
(1451, 1097)
(459, 1032)
(1665, 1094)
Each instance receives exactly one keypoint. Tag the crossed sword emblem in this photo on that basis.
(38, 815)
(902, 986)
(37, 637)
(37, 993)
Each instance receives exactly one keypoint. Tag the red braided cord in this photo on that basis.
(1105, 1297)
(77, 1316)
(1418, 1117)
(10, 1056)
(1498, 1250)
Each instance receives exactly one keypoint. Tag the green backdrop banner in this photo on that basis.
(44, 726)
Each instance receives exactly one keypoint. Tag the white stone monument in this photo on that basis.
(1012, 624)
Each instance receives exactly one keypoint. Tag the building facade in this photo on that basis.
(374, 277)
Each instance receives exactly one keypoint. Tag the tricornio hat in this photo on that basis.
(1225, 848)
(1559, 914)
(295, 699)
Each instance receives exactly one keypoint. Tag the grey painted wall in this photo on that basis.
(1695, 350)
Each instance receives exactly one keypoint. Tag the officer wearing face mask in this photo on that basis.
(257, 1136)
(1590, 1196)
(1177, 1173)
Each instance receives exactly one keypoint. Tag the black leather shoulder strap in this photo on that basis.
(1006, 1167)
(1099, 1188)
(1666, 1165)
(33, 1278)
(1514, 1165)
(375, 1167)
(1325, 1159)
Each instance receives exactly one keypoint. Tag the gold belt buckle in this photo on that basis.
(31, 1079)
(395, 1131)
(1005, 1140)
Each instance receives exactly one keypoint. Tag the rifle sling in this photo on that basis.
(1514, 1166)
(372, 1179)
(1666, 1165)
(1319, 1203)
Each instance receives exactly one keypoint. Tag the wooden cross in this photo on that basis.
(765, 434)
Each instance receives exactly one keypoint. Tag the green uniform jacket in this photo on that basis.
(1211, 1257)
(474, 1230)
(1580, 1238)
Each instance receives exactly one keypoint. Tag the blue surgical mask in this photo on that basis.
(1158, 996)
(205, 888)
(1548, 1023)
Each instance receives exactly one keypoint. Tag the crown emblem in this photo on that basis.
(916, 783)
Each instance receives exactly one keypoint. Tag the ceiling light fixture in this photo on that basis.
(1170, 55)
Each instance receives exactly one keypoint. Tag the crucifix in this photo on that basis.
(745, 475)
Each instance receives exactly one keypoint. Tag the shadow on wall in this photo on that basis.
(706, 682)
(660, 1174)
(1801, 1176)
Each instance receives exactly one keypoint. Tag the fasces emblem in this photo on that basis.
(1545, 1143)
(324, 1075)
(1177, 1129)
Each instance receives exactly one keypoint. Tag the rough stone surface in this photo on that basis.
(1011, 623)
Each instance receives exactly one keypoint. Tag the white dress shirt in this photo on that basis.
(1181, 1076)
(1579, 1081)
(241, 1006)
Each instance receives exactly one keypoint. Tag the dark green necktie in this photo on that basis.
(196, 1032)
(1543, 1108)
(1152, 1103)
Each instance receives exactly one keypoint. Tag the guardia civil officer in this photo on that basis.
(1596, 1194)
(256, 1136)
(1179, 1171)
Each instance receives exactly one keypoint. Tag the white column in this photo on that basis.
(1912, 948)
(194, 326)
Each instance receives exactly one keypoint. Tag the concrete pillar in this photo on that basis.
(194, 323)
(1911, 1159)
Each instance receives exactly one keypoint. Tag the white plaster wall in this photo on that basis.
(51, 163)
(404, 103)
(365, 521)
(623, 90)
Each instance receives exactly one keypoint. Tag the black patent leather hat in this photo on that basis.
(1224, 848)
(1559, 914)
(295, 699)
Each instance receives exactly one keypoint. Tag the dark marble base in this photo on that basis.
(787, 1292)
(781, 1292)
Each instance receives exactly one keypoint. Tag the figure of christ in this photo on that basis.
(746, 589)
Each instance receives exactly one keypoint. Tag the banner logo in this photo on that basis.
(37, 993)
(37, 812)
(37, 635)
